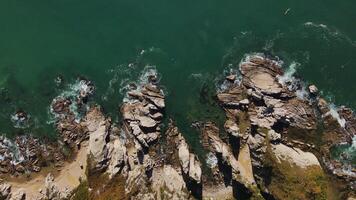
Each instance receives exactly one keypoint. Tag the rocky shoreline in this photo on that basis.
(277, 145)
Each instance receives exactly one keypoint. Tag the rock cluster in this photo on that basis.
(263, 114)
(131, 152)
(179, 155)
(68, 110)
(232, 170)
(142, 113)
(6, 193)
(51, 190)
(26, 154)
(269, 145)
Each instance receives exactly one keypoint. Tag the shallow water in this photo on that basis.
(191, 43)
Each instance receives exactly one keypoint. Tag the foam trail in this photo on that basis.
(288, 75)
(144, 78)
(335, 115)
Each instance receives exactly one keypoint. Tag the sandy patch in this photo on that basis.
(67, 177)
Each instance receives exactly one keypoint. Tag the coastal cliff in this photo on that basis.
(274, 144)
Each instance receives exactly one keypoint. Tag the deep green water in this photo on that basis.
(191, 43)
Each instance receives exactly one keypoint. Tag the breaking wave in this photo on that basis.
(72, 92)
(334, 113)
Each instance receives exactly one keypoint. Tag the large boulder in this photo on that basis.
(117, 153)
(169, 184)
(294, 156)
(98, 127)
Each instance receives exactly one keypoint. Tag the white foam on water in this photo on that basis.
(19, 123)
(211, 160)
(13, 151)
(79, 87)
(144, 78)
(288, 77)
(302, 93)
(315, 25)
(336, 116)
(231, 70)
(196, 75)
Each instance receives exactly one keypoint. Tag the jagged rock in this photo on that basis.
(195, 171)
(323, 106)
(147, 122)
(231, 77)
(313, 90)
(98, 136)
(5, 190)
(152, 137)
(232, 128)
(274, 136)
(136, 180)
(293, 112)
(22, 154)
(183, 153)
(142, 112)
(51, 191)
(117, 153)
(240, 172)
(157, 101)
(169, 184)
(18, 195)
(297, 113)
(229, 99)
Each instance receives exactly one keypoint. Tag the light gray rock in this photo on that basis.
(195, 171)
(183, 153)
(274, 136)
(232, 128)
(51, 191)
(313, 90)
(231, 77)
(147, 122)
(18, 195)
(169, 184)
(98, 135)
(5, 190)
(118, 157)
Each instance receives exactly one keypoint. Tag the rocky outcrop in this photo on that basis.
(98, 127)
(7, 194)
(143, 111)
(271, 148)
(5, 191)
(169, 184)
(239, 170)
(51, 190)
(261, 110)
(68, 110)
(25, 154)
(182, 159)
